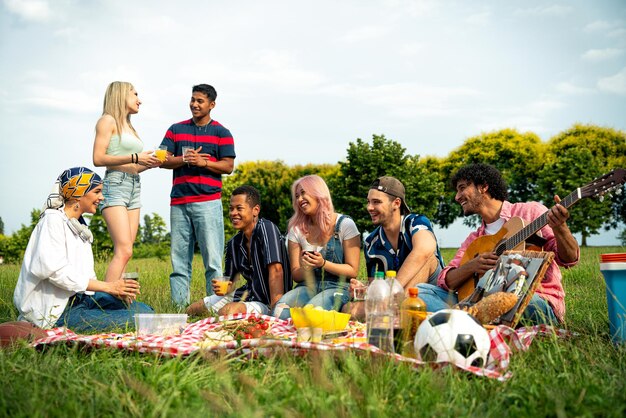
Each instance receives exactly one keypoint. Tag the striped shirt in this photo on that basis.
(193, 184)
(267, 247)
(380, 255)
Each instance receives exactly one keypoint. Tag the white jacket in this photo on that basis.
(57, 264)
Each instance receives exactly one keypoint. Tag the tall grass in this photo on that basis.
(580, 376)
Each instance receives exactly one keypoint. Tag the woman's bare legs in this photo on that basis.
(122, 225)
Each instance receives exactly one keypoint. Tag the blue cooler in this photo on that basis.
(613, 268)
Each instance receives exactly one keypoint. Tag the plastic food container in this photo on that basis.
(160, 324)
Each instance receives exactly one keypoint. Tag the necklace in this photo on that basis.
(203, 127)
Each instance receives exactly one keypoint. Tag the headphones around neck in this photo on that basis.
(80, 230)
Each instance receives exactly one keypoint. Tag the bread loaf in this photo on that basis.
(491, 307)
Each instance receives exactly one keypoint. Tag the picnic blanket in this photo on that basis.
(504, 342)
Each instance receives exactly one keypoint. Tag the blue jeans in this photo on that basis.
(436, 298)
(329, 294)
(201, 222)
(99, 312)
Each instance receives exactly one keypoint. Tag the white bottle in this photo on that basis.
(378, 314)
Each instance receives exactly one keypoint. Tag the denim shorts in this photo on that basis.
(121, 189)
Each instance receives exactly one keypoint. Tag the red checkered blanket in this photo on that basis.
(504, 342)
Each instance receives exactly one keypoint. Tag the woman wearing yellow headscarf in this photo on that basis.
(57, 285)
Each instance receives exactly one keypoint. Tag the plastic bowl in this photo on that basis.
(317, 318)
(160, 324)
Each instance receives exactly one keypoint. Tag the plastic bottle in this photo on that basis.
(397, 297)
(378, 314)
(412, 313)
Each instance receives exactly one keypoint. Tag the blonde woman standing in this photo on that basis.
(118, 147)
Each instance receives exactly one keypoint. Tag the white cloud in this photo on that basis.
(67, 32)
(533, 116)
(413, 8)
(523, 123)
(410, 49)
(598, 25)
(543, 106)
(555, 10)
(619, 33)
(597, 55)
(614, 29)
(405, 100)
(572, 89)
(614, 84)
(365, 33)
(278, 68)
(30, 10)
(479, 18)
(50, 98)
(157, 25)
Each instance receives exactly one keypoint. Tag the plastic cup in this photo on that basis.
(303, 335)
(309, 334)
(131, 275)
(185, 150)
(358, 293)
(306, 248)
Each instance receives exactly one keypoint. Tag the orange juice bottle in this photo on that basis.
(412, 313)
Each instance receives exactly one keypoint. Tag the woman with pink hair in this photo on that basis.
(324, 249)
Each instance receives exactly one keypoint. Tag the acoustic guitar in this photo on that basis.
(514, 234)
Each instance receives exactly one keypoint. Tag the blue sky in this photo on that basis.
(297, 81)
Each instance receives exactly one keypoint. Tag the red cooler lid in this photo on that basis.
(613, 258)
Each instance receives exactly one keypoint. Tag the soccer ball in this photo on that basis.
(454, 336)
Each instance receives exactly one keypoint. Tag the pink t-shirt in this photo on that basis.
(551, 288)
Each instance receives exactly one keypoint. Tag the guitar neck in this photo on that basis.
(524, 233)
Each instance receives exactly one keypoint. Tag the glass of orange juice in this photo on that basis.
(222, 285)
(161, 153)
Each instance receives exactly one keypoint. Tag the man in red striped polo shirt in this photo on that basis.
(196, 207)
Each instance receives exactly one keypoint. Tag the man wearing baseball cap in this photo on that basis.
(402, 241)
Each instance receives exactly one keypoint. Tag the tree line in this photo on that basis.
(534, 170)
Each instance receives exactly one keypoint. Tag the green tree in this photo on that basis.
(364, 163)
(622, 237)
(518, 156)
(154, 230)
(273, 180)
(153, 239)
(13, 247)
(1, 227)
(102, 245)
(574, 158)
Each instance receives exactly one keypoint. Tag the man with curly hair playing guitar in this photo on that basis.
(481, 190)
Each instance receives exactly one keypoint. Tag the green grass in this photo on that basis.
(580, 376)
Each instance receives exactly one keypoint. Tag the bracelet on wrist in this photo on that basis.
(323, 264)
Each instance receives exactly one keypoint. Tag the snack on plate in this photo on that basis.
(356, 326)
(491, 307)
(246, 328)
(213, 338)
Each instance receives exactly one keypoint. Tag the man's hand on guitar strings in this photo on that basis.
(557, 215)
(483, 262)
